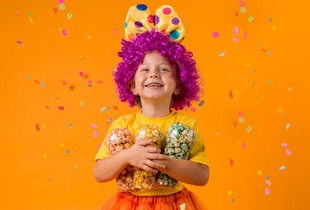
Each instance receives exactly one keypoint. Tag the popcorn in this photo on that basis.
(179, 142)
(142, 178)
(120, 139)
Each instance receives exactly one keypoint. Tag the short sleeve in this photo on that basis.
(103, 151)
(198, 153)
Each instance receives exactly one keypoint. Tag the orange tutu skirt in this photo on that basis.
(126, 200)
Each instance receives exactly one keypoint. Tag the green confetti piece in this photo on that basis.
(201, 103)
(243, 9)
(29, 77)
(251, 18)
(30, 14)
(182, 206)
(249, 128)
(241, 120)
(69, 15)
(269, 82)
(56, 158)
(82, 102)
(75, 166)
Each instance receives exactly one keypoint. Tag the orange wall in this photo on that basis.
(38, 173)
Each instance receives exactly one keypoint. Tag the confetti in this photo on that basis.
(38, 127)
(250, 19)
(95, 134)
(30, 19)
(61, 1)
(94, 126)
(273, 27)
(232, 200)
(182, 206)
(234, 123)
(102, 109)
(241, 3)
(29, 14)
(99, 146)
(29, 77)
(236, 13)
(193, 109)
(235, 39)
(245, 35)
(99, 81)
(269, 53)
(115, 32)
(64, 32)
(287, 126)
(267, 191)
(62, 6)
(18, 14)
(201, 103)
(81, 73)
(68, 151)
(270, 20)
(89, 36)
(268, 182)
(115, 107)
(251, 83)
(223, 53)
(70, 125)
(243, 10)
(89, 81)
(269, 82)
(69, 16)
(259, 172)
(241, 120)
(49, 180)
(75, 166)
(44, 156)
(61, 108)
(82, 102)
(231, 162)
(257, 95)
(62, 145)
(229, 192)
(215, 34)
(284, 145)
(243, 145)
(236, 30)
(42, 84)
(19, 42)
(81, 58)
(288, 152)
(55, 10)
(249, 128)
(281, 168)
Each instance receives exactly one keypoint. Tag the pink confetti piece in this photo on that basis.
(49, 180)
(115, 32)
(64, 82)
(241, 3)
(61, 1)
(61, 108)
(18, 14)
(243, 145)
(81, 73)
(288, 152)
(99, 81)
(215, 34)
(284, 145)
(94, 126)
(19, 42)
(268, 182)
(240, 114)
(236, 30)
(231, 162)
(64, 32)
(267, 191)
(234, 123)
(245, 35)
(236, 13)
(95, 134)
(89, 81)
(55, 10)
(193, 109)
(236, 39)
(99, 146)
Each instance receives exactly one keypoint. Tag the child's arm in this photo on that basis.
(185, 171)
(139, 155)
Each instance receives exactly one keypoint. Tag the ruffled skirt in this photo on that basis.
(183, 199)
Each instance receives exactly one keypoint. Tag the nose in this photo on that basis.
(154, 74)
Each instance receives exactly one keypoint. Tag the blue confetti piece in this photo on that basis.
(102, 109)
(68, 151)
(270, 20)
(90, 85)
(281, 168)
(267, 177)
(201, 103)
(269, 53)
(254, 71)
(233, 200)
(42, 85)
(287, 126)
(223, 53)
(108, 108)
(110, 119)
(70, 125)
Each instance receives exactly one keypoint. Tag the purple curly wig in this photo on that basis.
(133, 53)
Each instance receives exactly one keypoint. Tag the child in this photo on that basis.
(156, 74)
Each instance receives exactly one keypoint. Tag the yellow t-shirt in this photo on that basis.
(133, 121)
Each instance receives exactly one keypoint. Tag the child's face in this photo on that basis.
(154, 69)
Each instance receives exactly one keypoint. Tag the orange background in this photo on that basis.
(52, 168)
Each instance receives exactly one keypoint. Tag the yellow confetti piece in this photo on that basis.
(62, 145)
(240, 142)
(257, 95)
(273, 27)
(13, 125)
(60, 30)
(259, 172)
(229, 192)
(280, 111)
(251, 18)
(43, 125)
(248, 64)
(81, 58)
(231, 76)
(251, 83)
(30, 19)
(44, 156)
(241, 120)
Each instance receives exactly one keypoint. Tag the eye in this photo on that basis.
(144, 70)
(165, 70)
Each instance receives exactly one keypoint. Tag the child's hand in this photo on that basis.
(141, 154)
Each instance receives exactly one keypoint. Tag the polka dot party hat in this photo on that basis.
(165, 20)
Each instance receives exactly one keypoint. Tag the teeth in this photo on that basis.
(154, 85)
